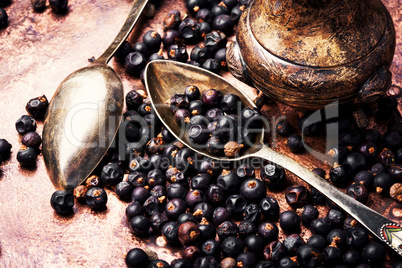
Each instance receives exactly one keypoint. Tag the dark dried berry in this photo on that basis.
(220, 215)
(134, 209)
(133, 100)
(3, 18)
(215, 146)
(246, 228)
(172, 20)
(374, 254)
(37, 107)
(62, 202)
(269, 231)
(25, 124)
(211, 65)
(124, 189)
(220, 9)
(297, 196)
(134, 63)
(283, 128)
(358, 191)
(223, 23)
(171, 37)
(170, 232)
(176, 190)
(112, 174)
(26, 156)
(158, 220)
(215, 40)
(255, 244)
(204, 15)
(175, 207)
(292, 243)
(226, 229)
(207, 229)
(355, 162)
(31, 139)
(191, 253)
(273, 175)
(139, 194)
(156, 177)
(269, 208)
(232, 246)
(365, 178)
(178, 101)
(140, 225)
(211, 248)
(215, 194)
(308, 256)
(96, 197)
(189, 30)
(194, 197)
(220, 57)
(309, 213)
(317, 241)
(382, 183)
(289, 221)
(214, 114)
(253, 190)
(136, 257)
(295, 143)
(196, 107)
(58, 6)
(123, 51)
(5, 149)
(386, 157)
(321, 226)
(339, 175)
(153, 40)
(185, 217)
(246, 259)
(236, 12)
(188, 233)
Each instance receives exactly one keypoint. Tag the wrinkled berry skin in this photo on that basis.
(189, 233)
(62, 202)
(96, 197)
(37, 107)
(25, 124)
(112, 174)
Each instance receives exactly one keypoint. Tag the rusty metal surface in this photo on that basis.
(37, 51)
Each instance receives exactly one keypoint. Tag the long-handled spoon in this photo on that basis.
(165, 78)
(84, 115)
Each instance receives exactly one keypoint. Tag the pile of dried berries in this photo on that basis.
(363, 160)
(217, 122)
(26, 127)
(210, 23)
(57, 6)
(220, 217)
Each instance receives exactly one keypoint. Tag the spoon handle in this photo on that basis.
(384, 229)
(133, 16)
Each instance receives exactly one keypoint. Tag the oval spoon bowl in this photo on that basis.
(164, 78)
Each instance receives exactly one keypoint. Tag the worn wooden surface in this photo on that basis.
(37, 51)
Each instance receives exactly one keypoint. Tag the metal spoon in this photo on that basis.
(165, 78)
(84, 115)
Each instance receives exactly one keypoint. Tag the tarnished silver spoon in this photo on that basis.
(84, 115)
(165, 78)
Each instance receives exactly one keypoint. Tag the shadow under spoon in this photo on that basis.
(164, 78)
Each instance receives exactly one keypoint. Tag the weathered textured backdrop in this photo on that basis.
(37, 51)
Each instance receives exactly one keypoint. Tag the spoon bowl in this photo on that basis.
(181, 75)
(84, 115)
(79, 132)
(165, 78)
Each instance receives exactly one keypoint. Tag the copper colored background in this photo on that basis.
(37, 51)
